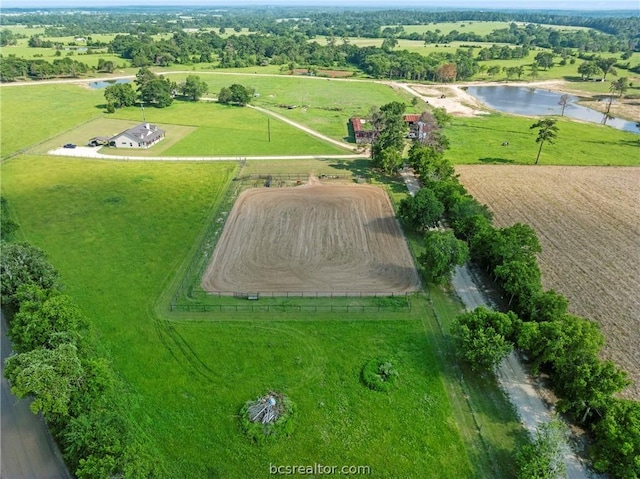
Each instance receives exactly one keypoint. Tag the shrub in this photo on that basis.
(379, 374)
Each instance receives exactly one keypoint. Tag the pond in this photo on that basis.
(106, 83)
(537, 102)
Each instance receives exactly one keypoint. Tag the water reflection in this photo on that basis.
(537, 102)
(106, 83)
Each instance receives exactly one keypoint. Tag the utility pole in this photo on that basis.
(142, 107)
(269, 129)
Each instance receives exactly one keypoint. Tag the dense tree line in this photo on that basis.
(311, 22)
(565, 346)
(56, 363)
(12, 68)
(287, 42)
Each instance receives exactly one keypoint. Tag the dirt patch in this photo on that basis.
(455, 100)
(314, 238)
(587, 222)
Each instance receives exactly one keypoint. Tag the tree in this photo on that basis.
(545, 59)
(544, 458)
(389, 43)
(387, 148)
(447, 72)
(194, 87)
(484, 337)
(606, 65)
(157, 92)
(616, 448)
(430, 129)
(235, 95)
(534, 70)
(50, 376)
(547, 132)
(563, 102)
(21, 263)
(106, 66)
(588, 69)
(442, 252)
(549, 306)
(620, 86)
(143, 76)
(421, 211)
(587, 385)
(494, 70)
(521, 280)
(120, 95)
(46, 321)
(560, 342)
(429, 163)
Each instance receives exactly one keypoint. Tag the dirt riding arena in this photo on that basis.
(312, 238)
(587, 222)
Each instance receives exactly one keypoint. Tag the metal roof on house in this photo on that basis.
(143, 132)
(411, 118)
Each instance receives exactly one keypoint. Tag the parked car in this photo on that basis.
(69, 145)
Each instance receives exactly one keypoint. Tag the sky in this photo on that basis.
(476, 4)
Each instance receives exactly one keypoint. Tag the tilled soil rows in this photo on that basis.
(314, 238)
(587, 222)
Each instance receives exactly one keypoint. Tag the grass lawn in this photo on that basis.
(226, 130)
(121, 233)
(47, 110)
(479, 140)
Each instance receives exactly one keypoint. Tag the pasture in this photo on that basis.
(133, 228)
(479, 140)
(322, 104)
(39, 112)
(586, 220)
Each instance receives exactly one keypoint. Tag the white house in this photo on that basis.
(142, 136)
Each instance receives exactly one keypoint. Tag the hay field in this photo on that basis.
(313, 238)
(587, 222)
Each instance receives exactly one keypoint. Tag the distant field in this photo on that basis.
(479, 140)
(480, 28)
(586, 219)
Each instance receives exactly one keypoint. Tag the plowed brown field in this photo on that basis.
(587, 222)
(313, 238)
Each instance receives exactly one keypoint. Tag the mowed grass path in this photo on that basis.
(120, 233)
(479, 140)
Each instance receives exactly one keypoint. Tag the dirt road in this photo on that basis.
(514, 380)
(27, 450)
(511, 375)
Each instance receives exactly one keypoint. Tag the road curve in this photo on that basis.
(27, 450)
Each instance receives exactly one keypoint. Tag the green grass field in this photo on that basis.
(32, 114)
(479, 140)
(122, 233)
(226, 130)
